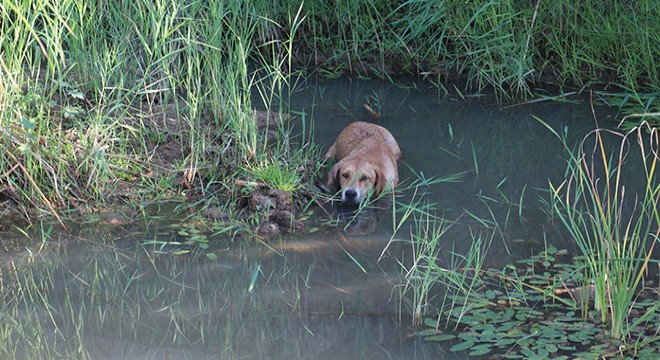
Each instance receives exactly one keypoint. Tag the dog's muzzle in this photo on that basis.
(350, 196)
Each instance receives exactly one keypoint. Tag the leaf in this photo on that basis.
(462, 346)
(505, 342)
(440, 337)
(428, 332)
(430, 322)
(529, 353)
(76, 94)
(28, 123)
(480, 351)
(490, 294)
(212, 256)
(513, 356)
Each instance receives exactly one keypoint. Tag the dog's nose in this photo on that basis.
(350, 195)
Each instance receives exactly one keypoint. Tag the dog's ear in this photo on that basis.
(380, 183)
(330, 185)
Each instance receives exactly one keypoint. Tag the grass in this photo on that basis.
(508, 45)
(96, 106)
(615, 227)
(276, 175)
(89, 95)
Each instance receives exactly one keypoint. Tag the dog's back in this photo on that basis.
(366, 161)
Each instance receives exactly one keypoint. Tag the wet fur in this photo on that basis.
(366, 158)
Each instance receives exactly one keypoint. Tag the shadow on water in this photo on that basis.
(120, 293)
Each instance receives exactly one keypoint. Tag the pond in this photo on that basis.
(327, 292)
(498, 160)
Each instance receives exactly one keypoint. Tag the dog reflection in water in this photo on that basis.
(356, 222)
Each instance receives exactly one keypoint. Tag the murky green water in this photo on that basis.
(118, 293)
(506, 157)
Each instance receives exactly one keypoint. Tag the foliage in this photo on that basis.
(615, 230)
(517, 313)
(102, 101)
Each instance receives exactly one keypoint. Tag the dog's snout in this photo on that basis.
(350, 194)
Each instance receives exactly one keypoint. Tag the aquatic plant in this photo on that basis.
(615, 227)
(91, 99)
(521, 311)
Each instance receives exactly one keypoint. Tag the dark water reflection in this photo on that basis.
(120, 294)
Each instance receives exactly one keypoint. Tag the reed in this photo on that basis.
(88, 95)
(614, 225)
(87, 92)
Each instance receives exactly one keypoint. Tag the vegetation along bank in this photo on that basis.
(126, 103)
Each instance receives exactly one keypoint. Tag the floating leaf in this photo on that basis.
(431, 322)
(462, 346)
(481, 350)
(440, 337)
(513, 356)
(428, 332)
(506, 341)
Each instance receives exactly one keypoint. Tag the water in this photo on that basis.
(507, 157)
(118, 293)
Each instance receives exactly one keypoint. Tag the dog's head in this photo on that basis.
(356, 179)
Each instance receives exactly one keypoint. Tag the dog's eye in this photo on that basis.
(344, 175)
(364, 178)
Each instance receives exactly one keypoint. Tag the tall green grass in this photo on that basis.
(614, 225)
(509, 45)
(89, 91)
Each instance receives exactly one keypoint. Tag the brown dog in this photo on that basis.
(366, 156)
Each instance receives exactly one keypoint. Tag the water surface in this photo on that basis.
(119, 293)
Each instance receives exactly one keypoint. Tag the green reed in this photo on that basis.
(615, 226)
(88, 90)
(443, 281)
(508, 45)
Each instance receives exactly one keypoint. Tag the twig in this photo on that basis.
(244, 183)
(374, 114)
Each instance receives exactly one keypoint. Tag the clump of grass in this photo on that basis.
(443, 287)
(83, 88)
(615, 227)
(275, 175)
(507, 45)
